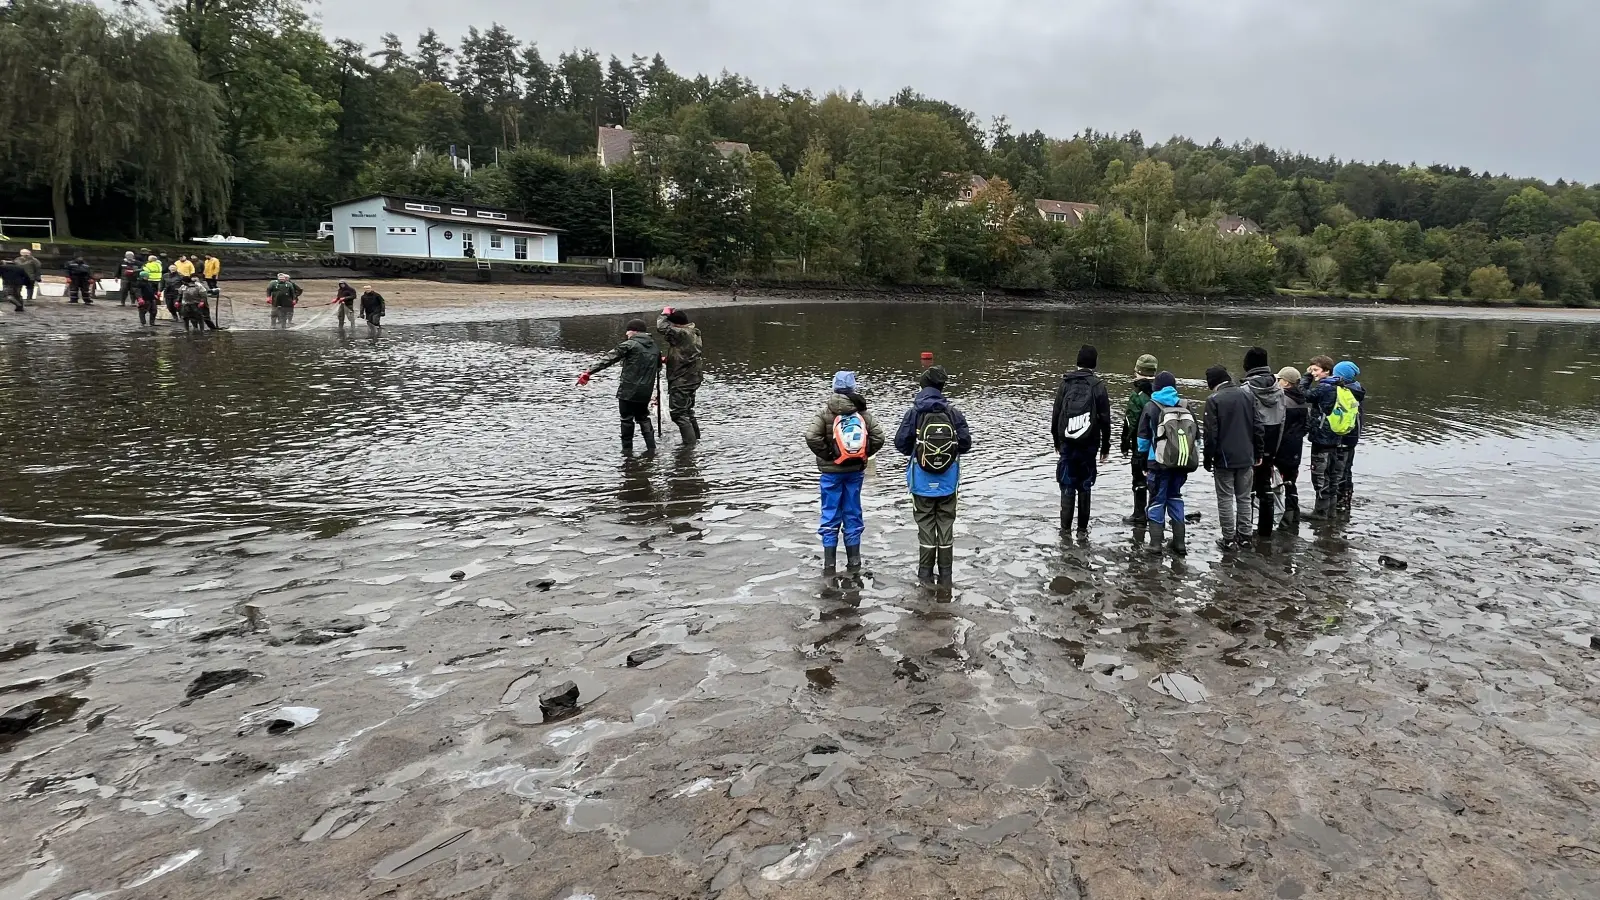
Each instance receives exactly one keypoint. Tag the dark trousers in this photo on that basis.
(936, 530)
(29, 288)
(80, 289)
(211, 284)
(680, 403)
(1077, 469)
(149, 302)
(1347, 463)
(632, 413)
(1266, 503)
(1326, 476)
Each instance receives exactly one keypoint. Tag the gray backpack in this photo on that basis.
(1177, 443)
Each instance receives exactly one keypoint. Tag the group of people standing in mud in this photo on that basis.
(177, 284)
(1250, 434)
(283, 295)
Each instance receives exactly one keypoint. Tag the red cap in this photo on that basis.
(927, 358)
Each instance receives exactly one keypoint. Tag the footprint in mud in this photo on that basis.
(37, 715)
(211, 682)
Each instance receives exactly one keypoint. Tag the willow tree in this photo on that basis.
(91, 107)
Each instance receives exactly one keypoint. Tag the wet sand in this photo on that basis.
(1075, 720)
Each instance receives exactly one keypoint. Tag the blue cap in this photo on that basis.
(1347, 370)
(844, 381)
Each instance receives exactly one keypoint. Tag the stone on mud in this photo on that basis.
(210, 682)
(560, 701)
(639, 657)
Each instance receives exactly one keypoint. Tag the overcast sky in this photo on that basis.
(1504, 85)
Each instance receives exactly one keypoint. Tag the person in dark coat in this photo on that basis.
(1263, 386)
(15, 280)
(1344, 496)
(684, 369)
(372, 307)
(80, 281)
(1291, 448)
(1233, 447)
(1080, 424)
(933, 473)
(345, 297)
(641, 361)
(1138, 398)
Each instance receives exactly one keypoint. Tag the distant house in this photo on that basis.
(1238, 225)
(394, 225)
(1064, 211)
(615, 144)
(970, 189)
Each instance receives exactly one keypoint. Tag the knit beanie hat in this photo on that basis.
(1347, 370)
(637, 325)
(1289, 374)
(1165, 380)
(1217, 375)
(844, 382)
(1146, 366)
(1088, 357)
(678, 317)
(1255, 358)
(935, 377)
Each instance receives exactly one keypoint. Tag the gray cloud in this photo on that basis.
(1491, 84)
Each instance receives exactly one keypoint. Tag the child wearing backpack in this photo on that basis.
(1333, 412)
(842, 436)
(1143, 370)
(934, 434)
(1170, 439)
(1080, 421)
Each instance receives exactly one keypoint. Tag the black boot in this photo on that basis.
(1268, 515)
(695, 424)
(1141, 501)
(686, 431)
(1158, 533)
(830, 560)
(852, 558)
(627, 437)
(1178, 544)
(1083, 512)
(925, 560)
(947, 565)
(1067, 509)
(1291, 505)
(649, 432)
(1323, 511)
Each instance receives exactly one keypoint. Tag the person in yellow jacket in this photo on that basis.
(185, 267)
(153, 270)
(212, 270)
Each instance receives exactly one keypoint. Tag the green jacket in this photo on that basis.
(640, 362)
(684, 362)
(819, 435)
(283, 293)
(1137, 401)
(30, 265)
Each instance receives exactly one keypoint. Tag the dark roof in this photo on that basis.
(616, 144)
(1243, 224)
(396, 203)
(1075, 212)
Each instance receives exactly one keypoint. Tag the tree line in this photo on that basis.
(171, 117)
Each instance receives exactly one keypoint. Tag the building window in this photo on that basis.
(467, 245)
(519, 247)
(1058, 217)
(494, 242)
(501, 217)
(458, 212)
(422, 207)
(402, 229)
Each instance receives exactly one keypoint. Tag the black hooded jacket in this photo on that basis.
(1100, 424)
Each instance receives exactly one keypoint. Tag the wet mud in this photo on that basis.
(253, 674)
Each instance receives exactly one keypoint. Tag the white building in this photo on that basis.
(394, 225)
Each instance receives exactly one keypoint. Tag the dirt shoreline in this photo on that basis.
(419, 302)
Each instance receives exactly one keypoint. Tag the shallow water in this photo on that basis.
(287, 512)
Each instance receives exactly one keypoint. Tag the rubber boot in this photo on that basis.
(648, 429)
(686, 431)
(1141, 502)
(1268, 513)
(1158, 533)
(1291, 505)
(852, 558)
(1083, 513)
(1178, 544)
(1066, 512)
(830, 560)
(627, 437)
(695, 424)
(1323, 511)
(926, 557)
(947, 565)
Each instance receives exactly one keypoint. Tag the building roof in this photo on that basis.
(1238, 225)
(1075, 212)
(395, 203)
(616, 144)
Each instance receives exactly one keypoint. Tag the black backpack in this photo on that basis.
(1077, 409)
(936, 440)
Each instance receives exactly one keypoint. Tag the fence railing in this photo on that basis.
(10, 223)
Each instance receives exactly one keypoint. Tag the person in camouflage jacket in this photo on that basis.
(684, 366)
(641, 362)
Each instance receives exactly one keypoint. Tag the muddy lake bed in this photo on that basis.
(317, 615)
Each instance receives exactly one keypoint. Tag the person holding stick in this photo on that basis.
(345, 297)
(641, 370)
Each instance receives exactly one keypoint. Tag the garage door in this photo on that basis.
(365, 239)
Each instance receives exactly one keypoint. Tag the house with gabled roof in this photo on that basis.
(1065, 211)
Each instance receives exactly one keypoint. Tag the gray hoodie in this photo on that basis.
(1270, 408)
